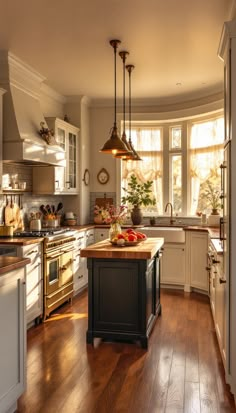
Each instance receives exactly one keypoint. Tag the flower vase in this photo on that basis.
(98, 219)
(136, 215)
(114, 230)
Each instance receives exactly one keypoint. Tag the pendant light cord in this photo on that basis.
(115, 49)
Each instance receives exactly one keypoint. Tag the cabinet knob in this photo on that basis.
(208, 268)
(222, 280)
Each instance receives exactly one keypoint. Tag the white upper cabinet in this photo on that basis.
(60, 180)
(67, 136)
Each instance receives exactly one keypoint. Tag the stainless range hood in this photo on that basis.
(22, 115)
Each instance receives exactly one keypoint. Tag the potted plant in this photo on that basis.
(212, 195)
(138, 194)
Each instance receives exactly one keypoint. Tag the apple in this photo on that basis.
(121, 236)
(132, 237)
(129, 230)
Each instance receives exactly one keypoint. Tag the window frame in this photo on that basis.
(166, 125)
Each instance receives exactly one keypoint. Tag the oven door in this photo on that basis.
(52, 272)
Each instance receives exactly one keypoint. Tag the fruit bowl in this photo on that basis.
(127, 243)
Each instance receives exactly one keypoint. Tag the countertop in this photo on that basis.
(8, 264)
(213, 232)
(20, 240)
(104, 249)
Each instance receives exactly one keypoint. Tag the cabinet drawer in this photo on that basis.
(61, 295)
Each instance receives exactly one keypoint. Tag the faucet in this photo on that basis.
(171, 212)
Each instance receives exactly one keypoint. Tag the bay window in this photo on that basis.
(183, 161)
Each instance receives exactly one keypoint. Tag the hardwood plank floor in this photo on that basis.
(181, 372)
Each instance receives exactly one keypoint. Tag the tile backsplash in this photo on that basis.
(28, 202)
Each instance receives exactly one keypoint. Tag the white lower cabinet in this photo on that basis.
(220, 309)
(80, 271)
(198, 250)
(13, 339)
(34, 281)
(173, 264)
(79, 277)
(100, 234)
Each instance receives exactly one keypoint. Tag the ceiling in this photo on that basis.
(172, 43)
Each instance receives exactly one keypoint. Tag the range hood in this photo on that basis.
(22, 115)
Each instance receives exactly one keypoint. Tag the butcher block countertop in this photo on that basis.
(142, 251)
(20, 240)
(8, 264)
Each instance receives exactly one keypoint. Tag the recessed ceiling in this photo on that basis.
(173, 44)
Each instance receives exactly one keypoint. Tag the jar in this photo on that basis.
(114, 230)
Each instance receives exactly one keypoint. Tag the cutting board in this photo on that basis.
(13, 216)
(103, 202)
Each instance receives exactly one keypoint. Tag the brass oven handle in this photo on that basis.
(69, 250)
(51, 257)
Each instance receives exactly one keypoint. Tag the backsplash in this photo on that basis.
(29, 203)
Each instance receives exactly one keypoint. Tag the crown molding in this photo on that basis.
(165, 105)
(47, 91)
(228, 32)
(15, 72)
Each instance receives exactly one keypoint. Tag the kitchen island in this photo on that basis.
(123, 290)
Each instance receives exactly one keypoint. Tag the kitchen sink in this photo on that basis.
(170, 234)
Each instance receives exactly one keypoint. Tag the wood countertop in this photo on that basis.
(104, 249)
(8, 264)
(20, 240)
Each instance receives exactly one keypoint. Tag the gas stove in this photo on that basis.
(50, 233)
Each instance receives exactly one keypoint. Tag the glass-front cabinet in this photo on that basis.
(67, 136)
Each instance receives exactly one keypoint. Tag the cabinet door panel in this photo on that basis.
(198, 261)
(173, 264)
(13, 338)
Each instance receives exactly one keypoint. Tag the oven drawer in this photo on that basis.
(57, 298)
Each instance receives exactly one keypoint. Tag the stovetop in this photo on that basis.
(44, 232)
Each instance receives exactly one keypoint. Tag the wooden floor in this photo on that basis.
(181, 371)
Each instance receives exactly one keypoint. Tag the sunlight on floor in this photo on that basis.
(71, 316)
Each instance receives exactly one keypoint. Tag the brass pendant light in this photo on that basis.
(136, 156)
(124, 155)
(114, 144)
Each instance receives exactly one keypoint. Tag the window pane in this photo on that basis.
(206, 155)
(209, 133)
(176, 182)
(176, 138)
(148, 144)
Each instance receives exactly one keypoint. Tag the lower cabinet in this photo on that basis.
(199, 277)
(80, 271)
(124, 298)
(100, 234)
(173, 264)
(34, 281)
(220, 307)
(13, 339)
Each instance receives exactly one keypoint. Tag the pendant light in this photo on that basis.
(136, 156)
(124, 155)
(114, 144)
